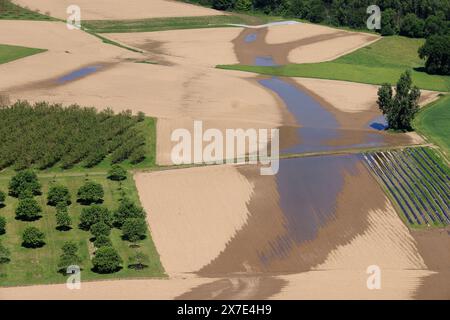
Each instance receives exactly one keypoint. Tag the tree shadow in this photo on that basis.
(63, 228)
(420, 69)
(88, 203)
(94, 269)
(27, 219)
(33, 246)
(137, 266)
(2, 205)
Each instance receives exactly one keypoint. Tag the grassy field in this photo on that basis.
(10, 53)
(160, 24)
(11, 11)
(434, 123)
(39, 266)
(380, 62)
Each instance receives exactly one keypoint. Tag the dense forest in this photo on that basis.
(43, 135)
(411, 18)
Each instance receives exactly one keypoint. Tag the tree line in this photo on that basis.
(412, 18)
(428, 19)
(43, 135)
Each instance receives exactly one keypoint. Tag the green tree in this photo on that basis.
(28, 210)
(63, 220)
(33, 238)
(317, 12)
(4, 254)
(100, 229)
(138, 155)
(24, 184)
(411, 26)
(243, 5)
(2, 225)
(127, 209)
(401, 108)
(90, 192)
(134, 229)
(102, 241)
(94, 214)
(138, 261)
(435, 25)
(106, 260)
(389, 24)
(436, 51)
(69, 256)
(140, 116)
(58, 194)
(223, 4)
(117, 173)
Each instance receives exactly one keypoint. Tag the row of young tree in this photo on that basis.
(96, 218)
(43, 135)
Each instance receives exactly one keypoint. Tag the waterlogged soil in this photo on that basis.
(318, 125)
(289, 211)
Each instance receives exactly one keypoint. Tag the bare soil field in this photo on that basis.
(118, 9)
(193, 213)
(301, 43)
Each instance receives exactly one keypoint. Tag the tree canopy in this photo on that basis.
(24, 184)
(436, 51)
(43, 135)
(400, 108)
(106, 260)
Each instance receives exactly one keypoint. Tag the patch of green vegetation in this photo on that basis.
(11, 11)
(74, 138)
(433, 122)
(10, 53)
(381, 62)
(160, 24)
(39, 266)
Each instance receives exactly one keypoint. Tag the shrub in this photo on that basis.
(127, 209)
(28, 210)
(58, 194)
(33, 238)
(117, 173)
(106, 260)
(138, 155)
(140, 116)
(138, 261)
(24, 184)
(2, 198)
(102, 241)
(134, 229)
(2, 225)
(90, 192)
(68, 256)
(94, 214)
(63, 220)
(4, 254)
(100, 229)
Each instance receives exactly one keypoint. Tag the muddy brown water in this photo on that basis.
(318, 125)
(287, 213)
(312, 205)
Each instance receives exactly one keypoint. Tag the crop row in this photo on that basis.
(417, 181)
